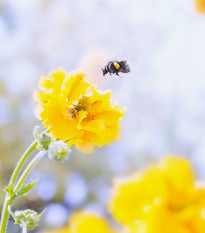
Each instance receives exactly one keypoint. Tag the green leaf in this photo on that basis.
(9, 190)
(24, 189)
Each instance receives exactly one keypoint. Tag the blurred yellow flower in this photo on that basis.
(63, 230)
(72, 107)
(82, 222)
(200, 5)
(163, 198)
(85, 222)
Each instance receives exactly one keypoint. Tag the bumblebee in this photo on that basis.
(116, 67)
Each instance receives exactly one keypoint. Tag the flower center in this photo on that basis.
(82, 104)
(76, 107)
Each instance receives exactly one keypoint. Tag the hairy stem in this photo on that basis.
(24, 228)
(22, 160)
(28, 169)
(8, 201)
(5, 213)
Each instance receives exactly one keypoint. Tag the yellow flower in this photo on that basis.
(84, 222)
(163, 198)
(63, 230)
(72, 107)
(200, 5)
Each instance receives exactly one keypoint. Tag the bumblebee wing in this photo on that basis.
(118, 54)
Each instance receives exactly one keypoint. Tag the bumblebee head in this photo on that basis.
(104, 71)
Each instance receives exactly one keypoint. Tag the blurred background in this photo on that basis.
(165, 92)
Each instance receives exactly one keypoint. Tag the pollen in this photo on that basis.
(116, 65)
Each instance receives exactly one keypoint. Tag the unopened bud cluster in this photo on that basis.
(28, 217)
(44, 140)
(58, 151)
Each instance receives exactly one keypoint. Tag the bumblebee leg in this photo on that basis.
(110, 74)
(118, 75)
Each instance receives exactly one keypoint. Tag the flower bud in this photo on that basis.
(44, 139)
(28, 217)
(58, 151)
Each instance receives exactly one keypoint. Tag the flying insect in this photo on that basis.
(116, 67)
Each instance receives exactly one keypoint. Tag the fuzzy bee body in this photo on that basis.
(116, 67)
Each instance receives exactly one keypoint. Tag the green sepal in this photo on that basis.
(28, 217)
(13, 215)
(35, 133)
(40, 215)
(68, 139)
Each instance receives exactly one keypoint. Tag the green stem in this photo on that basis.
(30, 166)
(8, 201)
(5, 213)
(22, 160)
(24, 228)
